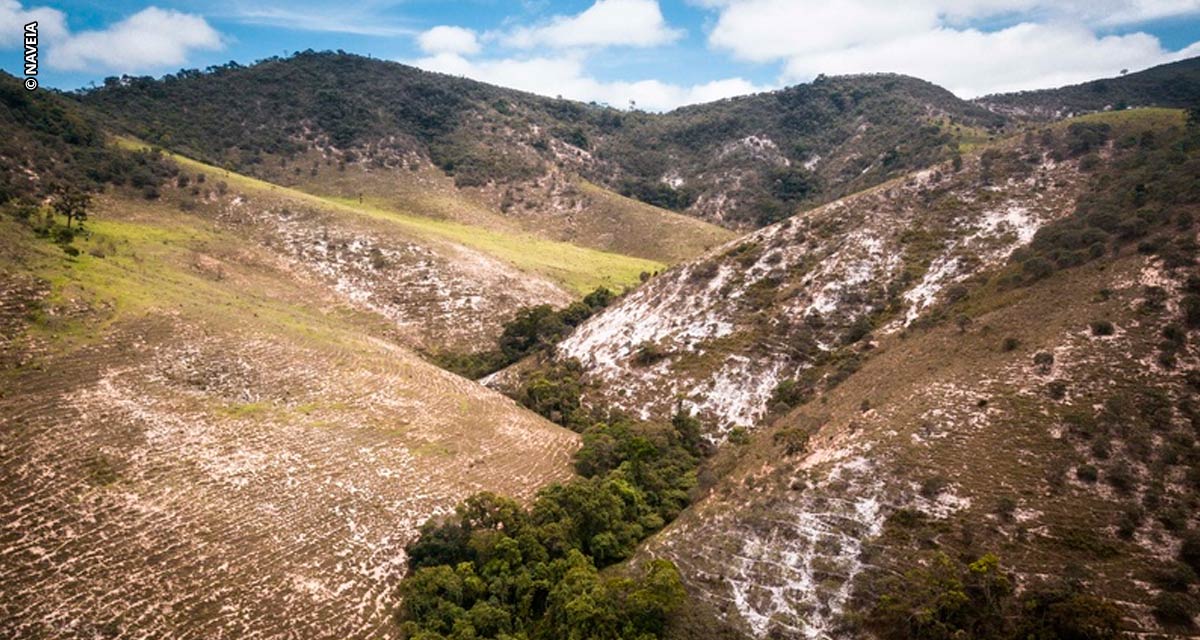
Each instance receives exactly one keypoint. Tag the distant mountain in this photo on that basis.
(1174, 85)
(741, 163)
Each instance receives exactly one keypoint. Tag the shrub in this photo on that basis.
(1010, 344)
(648, 353)
(1174, 609)
(1102, 328)
(1087, 473)
(1191, 310)
(792, 440)
(1189, 551)
(1043, 360)
(499, 569)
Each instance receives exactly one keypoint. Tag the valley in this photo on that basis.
(851, 359)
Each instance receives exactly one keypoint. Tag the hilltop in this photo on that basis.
(740, 163)
(1175, 85)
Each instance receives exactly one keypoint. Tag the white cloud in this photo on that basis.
(150, 38)
(765, 30)
(447, 39)
(52, 24)
(351, 20)
(634, 23)
(931, 39)
(565, 75)
(971, 63)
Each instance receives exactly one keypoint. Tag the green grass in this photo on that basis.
(1152, 116)
(577, 268)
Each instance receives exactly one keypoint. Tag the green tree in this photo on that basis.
(72, 204)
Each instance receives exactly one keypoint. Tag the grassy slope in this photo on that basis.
(577, 268)
(177, 390)
(604, 220)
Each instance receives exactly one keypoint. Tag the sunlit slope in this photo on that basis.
(198, 439)
(561, 207)
(578, 269)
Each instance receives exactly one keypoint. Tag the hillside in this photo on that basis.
(885, 395)
(178, 393)
(210, 422)
(795, 302)
(1174, 85)
(740, 163)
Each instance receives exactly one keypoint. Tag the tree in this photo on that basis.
(73, 205)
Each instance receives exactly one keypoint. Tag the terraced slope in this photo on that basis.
(200, 436)
(796, 299)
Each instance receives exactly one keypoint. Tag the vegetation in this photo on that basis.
(534, 330)
(1142, 195)
(1170, 85)
(499, 570)
(251, 118)
(53, 157)
(52, 148)
(941, 599)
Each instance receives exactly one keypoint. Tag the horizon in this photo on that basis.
(655, 56)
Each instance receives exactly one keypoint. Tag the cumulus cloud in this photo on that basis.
(448, 39)
(566, 75)
(52, 24)
(150, 38)
(1020, 57)
(633, 23)
(1053, 43)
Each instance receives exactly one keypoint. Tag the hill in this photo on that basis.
(892, 412)
(1175, 85)
(210, 421)
(741, 163)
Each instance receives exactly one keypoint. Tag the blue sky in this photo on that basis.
(659, 54)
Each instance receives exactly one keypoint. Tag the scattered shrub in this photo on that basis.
(1102, 328)
(1087, 473)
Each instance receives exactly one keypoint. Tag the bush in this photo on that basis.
(1043, 360)
(1102, 328)
(1010, 344)
(534, 330)
(1191, 310)
(1189, 551)
(1174, 609)
(648, 353)
(739, 436)
(1087, 473)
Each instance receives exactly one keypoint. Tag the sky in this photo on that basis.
(652, 54)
